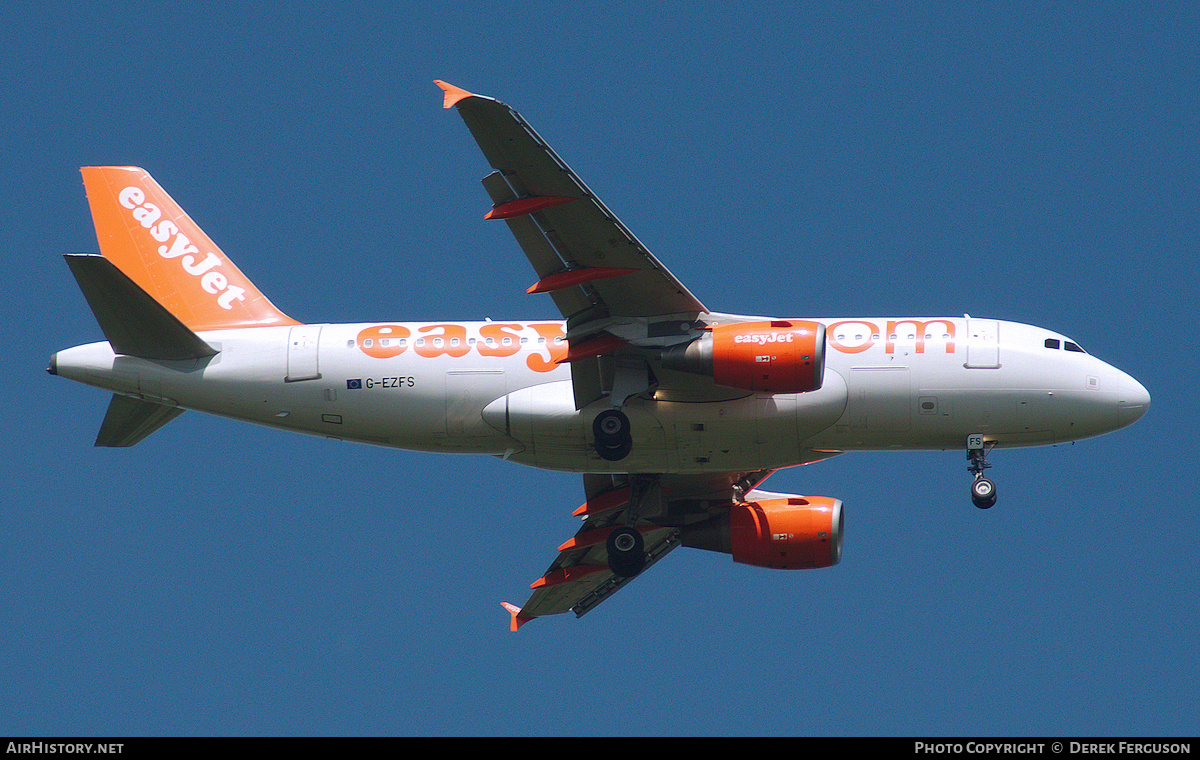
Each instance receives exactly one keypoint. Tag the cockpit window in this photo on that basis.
(1054, 342)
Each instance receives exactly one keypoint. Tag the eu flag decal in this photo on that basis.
(353, 385)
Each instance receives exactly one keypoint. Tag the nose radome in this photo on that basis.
(1132, 398)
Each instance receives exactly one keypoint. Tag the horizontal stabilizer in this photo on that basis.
(133, 322)
(129, 420)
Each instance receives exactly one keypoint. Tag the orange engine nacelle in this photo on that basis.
(792, 533)
(780, 356)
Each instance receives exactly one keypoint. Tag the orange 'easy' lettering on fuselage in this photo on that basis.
(490, 339)
(868, 334)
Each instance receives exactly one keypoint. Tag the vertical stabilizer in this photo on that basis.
(146, 235)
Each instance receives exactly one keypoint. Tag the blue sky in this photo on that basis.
(1013, 161)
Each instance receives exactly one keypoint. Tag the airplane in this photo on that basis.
(674, 414)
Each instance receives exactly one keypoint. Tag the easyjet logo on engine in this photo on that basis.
(763, 339)
(176, 245)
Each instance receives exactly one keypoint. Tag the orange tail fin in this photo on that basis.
(150, 238)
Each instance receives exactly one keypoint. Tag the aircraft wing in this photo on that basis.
(585, 258)
(579, 578)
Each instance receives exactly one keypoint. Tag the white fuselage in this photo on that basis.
(494, 388)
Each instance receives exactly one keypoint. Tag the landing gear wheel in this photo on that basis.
(610, 430)
(626, 552)
(983, 493)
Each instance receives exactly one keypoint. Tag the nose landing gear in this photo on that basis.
(983, 490)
